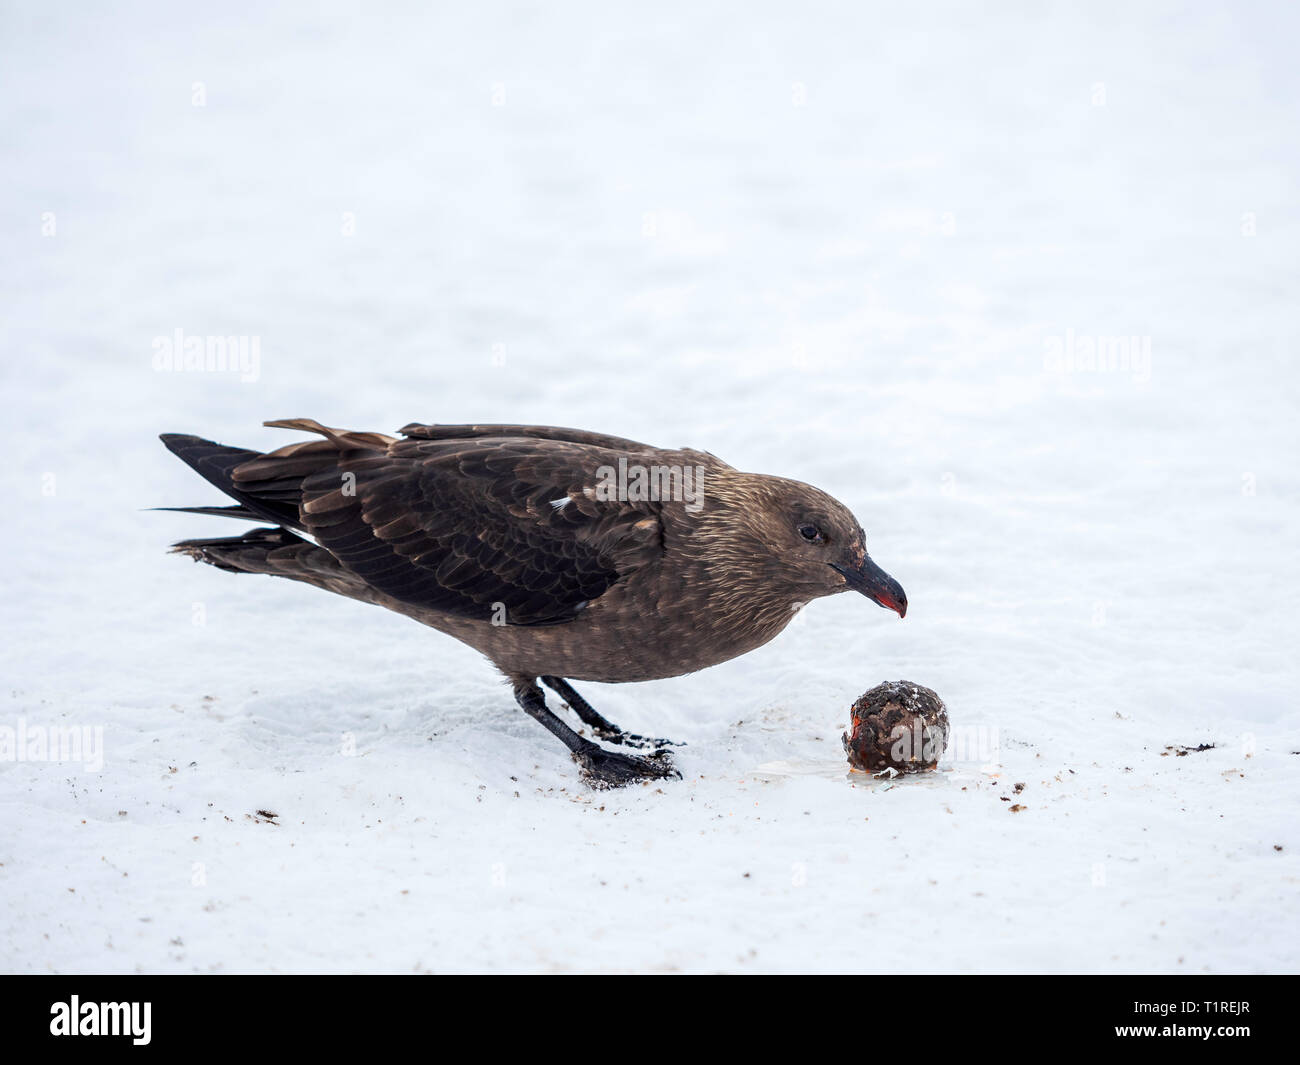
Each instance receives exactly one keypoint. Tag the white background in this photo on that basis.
(826, 241)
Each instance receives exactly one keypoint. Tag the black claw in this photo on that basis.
(601, 726)
(631, 739)
(601, 769)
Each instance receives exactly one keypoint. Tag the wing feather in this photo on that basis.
(458, 519)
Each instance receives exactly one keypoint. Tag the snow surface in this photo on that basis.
(834, 242)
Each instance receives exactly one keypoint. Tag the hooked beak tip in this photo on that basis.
(876, 585)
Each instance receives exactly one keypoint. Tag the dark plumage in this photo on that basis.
(513, 539)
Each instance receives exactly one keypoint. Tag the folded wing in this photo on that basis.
(498, 523)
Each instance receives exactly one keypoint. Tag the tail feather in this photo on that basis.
(268, 487)
(246, 553)
(280, 553)
(237, 511)
(216, 464)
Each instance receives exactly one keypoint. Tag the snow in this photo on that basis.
(865, 247)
